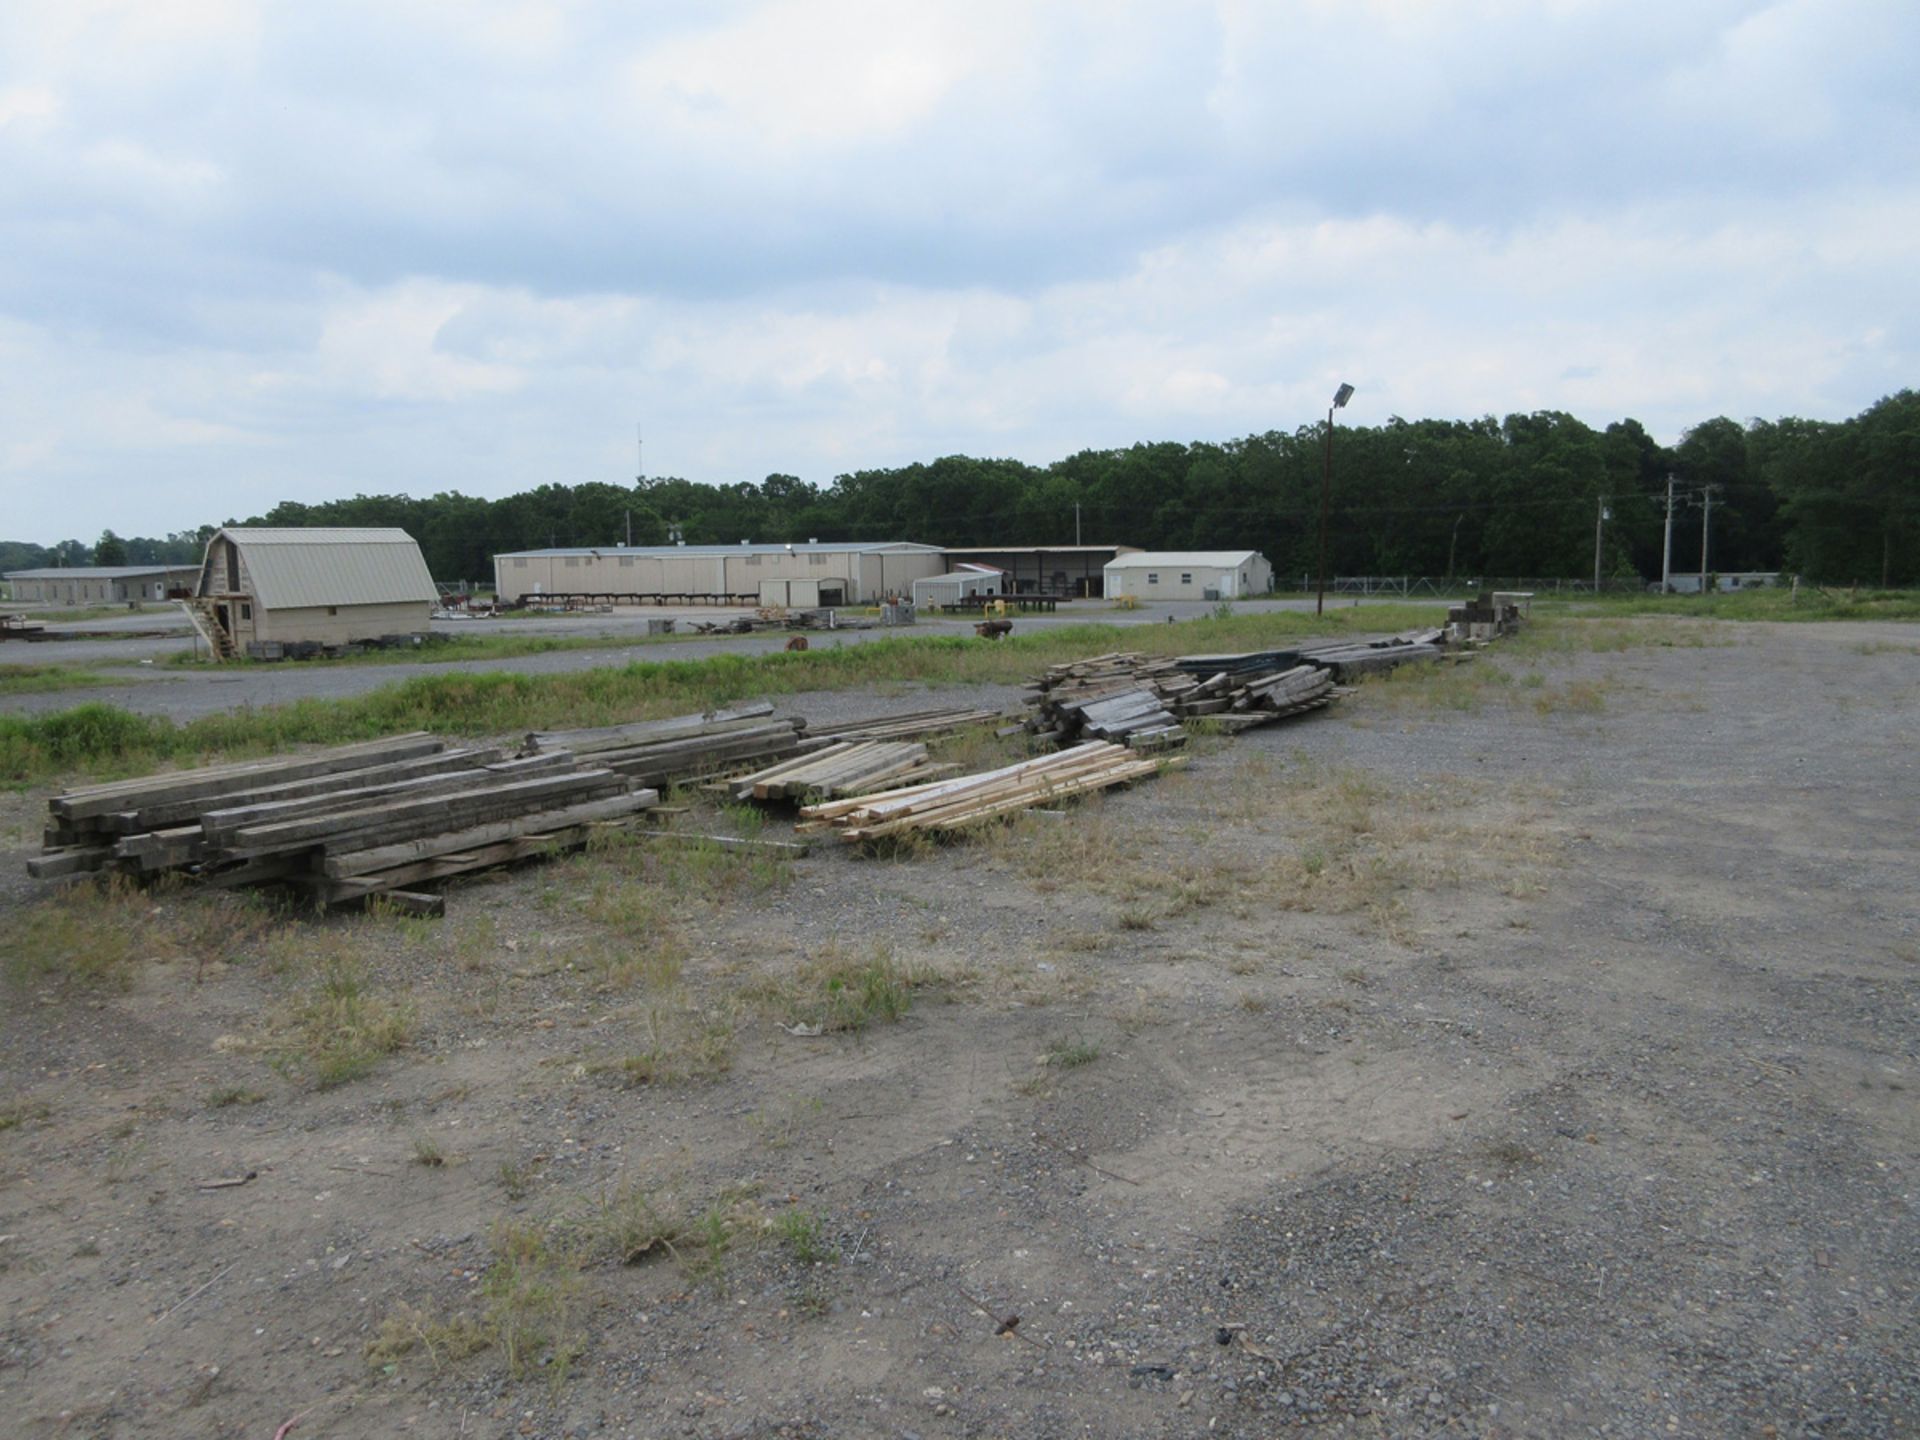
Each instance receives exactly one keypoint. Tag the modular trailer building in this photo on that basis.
(277, 585)
(1189, 574)
(101, 584)
(813, 573)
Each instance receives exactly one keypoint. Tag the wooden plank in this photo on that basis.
(384, 857)
(213, 780)
(75, 861)
(645, 732)
(221, 826)
(382, 820)
(179, 812)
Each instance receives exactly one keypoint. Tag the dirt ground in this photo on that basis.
(1523, 1050)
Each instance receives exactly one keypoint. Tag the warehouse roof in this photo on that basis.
(1172, 559)
(100, 572)
(668, 552)
(291, 569)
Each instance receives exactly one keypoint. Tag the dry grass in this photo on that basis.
(839, 989)
(678, 1043)
(96, 933)
(338, 1029)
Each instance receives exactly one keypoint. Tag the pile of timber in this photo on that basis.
(1350, 660)
(968, 800)
(1142, 699)
(1491, 615)
(848, 767)
(659, 753)
(342, 823)
(914, 725)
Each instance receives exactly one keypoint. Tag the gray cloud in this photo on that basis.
(248, 252)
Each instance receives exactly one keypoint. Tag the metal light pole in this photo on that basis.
(1340, 398)
(1599, 529)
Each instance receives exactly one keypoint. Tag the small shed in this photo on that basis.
(287, 586)
(957, 585)
(1189, 574)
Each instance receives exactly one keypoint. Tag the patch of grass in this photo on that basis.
(1510, 1153)
(679, 1044)
(339, 1030)
(515, 1179)
(427, 1151)
(837, 990)
(1812, 603)
(47, 679)
(17, 1113)
(82, 934)
(1068, 1053)
(629, 1225)
(803, 1236)
(408, 1329)
(93, 933)
(231, 1095)
(1582, 697)
(534, 1296)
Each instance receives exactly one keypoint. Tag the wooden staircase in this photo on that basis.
(206, 621)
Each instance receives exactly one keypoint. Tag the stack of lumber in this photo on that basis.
(914, 724)
(1142, 699)
(1489, 616)
(658, 753)
(849, 767)
(1348, 661)
(342, 823)
(967, 800)
(1130, 716)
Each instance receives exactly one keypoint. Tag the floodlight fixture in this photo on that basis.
(1340, 398)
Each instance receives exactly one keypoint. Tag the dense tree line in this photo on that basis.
(1837, 501)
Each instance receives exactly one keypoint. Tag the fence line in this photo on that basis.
(1407, 586)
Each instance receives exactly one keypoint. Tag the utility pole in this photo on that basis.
(1666, 549)
(1706, 529)
(1076, 522)
(1599, 525)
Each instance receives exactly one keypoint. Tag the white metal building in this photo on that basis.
(331, 586)
(1188, 574)
(811, 573)
(101, 584)
(957, 584)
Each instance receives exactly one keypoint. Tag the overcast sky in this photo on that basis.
(252, 252)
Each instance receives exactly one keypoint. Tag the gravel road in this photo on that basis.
(1529, 1060)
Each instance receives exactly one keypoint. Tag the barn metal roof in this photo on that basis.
(1171, 559)
(292, 569)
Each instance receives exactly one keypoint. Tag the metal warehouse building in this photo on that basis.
(1067, 571)
(807, 574)
(1189, 574)
(330, 586)
(101, 584)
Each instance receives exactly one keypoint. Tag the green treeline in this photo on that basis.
(1836, 501)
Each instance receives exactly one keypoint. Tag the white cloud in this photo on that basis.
(249, 250)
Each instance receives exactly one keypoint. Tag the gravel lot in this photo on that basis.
(1534, 1057)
